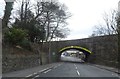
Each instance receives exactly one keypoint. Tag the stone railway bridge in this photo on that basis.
(104, 49)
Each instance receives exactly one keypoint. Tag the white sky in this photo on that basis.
(85, 15)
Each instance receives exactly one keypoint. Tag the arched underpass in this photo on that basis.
(104, 49)
(65, 53)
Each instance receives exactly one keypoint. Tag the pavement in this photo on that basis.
(65, 69)
(29, 72)
(116, 70)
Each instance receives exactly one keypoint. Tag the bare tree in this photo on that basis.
(110, 25)
(118, 26)
(53, 16)
(61, 33)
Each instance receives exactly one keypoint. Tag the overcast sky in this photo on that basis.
(85, 15)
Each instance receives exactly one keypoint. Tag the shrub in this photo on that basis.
(25, 44)
(15, 36)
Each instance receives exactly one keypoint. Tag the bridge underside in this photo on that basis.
(84, 50)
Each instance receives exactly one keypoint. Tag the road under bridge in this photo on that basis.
(100, 49)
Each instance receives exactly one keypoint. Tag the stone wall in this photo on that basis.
(104, 48)
(15, 58)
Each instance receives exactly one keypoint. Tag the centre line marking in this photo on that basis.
(76, 67)
(47, 70)
(78, 72)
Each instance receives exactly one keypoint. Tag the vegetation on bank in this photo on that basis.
(43, 22)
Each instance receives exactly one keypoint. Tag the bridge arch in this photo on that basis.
(86, 51)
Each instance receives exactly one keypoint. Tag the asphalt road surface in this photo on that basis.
(75, 70)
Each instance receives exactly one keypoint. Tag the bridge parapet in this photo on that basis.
(105, 48)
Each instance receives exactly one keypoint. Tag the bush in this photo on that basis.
(25, 44)
(15, 36)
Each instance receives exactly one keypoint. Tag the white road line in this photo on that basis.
(55, 67)
(114, 75)
(47, 71)
(29, 75)
(75, 67)
(78, 72)
(43, 70)
(37, 76)
(38, 71)
(34, 73)
(59, 64)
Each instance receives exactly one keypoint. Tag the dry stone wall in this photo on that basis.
(14, 59)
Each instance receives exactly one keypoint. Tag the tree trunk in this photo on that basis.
(8, 9)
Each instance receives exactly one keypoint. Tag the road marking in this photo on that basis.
(43, 70)
(34, 73)
(112, 74)
(55, 67)
(59, 64)
(115, 74)
(37, 76)
(47, 71)
(29, 75)
(76, 67)
(78, 72)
